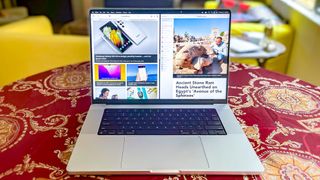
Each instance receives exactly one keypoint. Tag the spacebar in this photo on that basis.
(156, 132)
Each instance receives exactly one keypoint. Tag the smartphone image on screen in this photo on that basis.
(116, 36)
(142, 73)
(132, 31)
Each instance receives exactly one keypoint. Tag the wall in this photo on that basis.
(305, 55)
(304, 61)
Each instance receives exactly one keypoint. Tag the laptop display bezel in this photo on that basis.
(158, 11)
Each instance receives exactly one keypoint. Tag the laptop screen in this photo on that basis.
(159, 54)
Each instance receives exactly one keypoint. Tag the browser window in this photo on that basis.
(166, 55)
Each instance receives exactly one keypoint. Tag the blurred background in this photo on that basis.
(38, 35)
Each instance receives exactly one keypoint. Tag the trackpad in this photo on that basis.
(163, 152)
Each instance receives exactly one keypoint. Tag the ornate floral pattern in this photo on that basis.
(285, 97)
(54, 122)
(44, 114)
(68, 83)
(289, 99)
(65, 154)
(313, 125)
(12, 130)
(290, 166)
(70, 77)
(184, 177)
(9, 131)
(28, 166)
(70, 80)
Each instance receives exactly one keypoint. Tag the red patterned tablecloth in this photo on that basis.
(41, 117)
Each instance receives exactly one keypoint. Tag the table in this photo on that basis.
(261, 56)
(41, 117)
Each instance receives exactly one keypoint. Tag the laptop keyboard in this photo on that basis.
(161, 122)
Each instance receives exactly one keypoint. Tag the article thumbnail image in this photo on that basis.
(110, 93)
(200, 46)
(110, 36)
(142, 92)
(142, 72)
(115, 35)
(110, 72)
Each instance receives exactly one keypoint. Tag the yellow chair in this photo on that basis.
(29, 46)
(282, 33)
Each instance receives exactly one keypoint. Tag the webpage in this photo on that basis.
(152, 56)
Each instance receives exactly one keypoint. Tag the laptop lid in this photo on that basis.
(159, 56)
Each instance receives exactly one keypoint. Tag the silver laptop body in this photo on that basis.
(151, 67)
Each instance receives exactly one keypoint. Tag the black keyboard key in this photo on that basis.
(212, 132)
(185, 132)
(213, 123)
(194, 132)
(203, 132)
(217, 132)
(111, 127)
(194, 123)
(102, 132)
(106, 123)
(161, 122)
(221, 132)
(130, 132)
(120, 132)
(156, 132)
(111, 132)
(215, 118)
(214, 127)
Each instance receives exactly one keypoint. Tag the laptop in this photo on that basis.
(159, 96)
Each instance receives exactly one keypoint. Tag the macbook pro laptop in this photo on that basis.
(159, 96)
